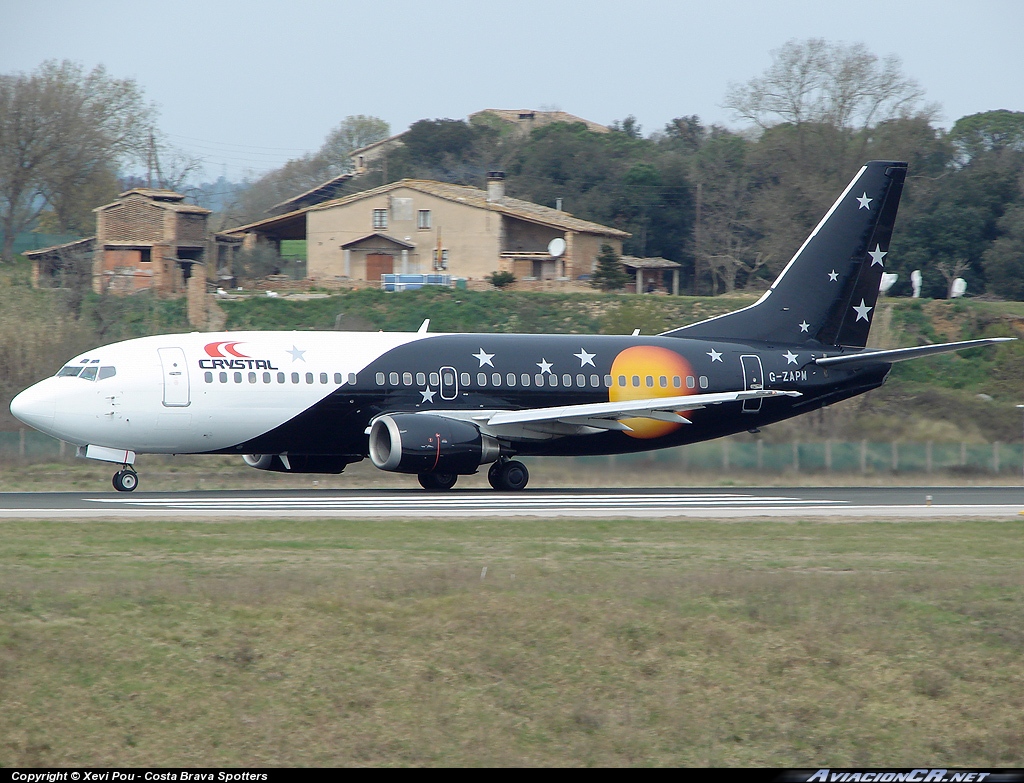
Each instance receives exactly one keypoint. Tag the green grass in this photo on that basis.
(586, 643)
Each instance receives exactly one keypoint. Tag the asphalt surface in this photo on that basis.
(839, 503)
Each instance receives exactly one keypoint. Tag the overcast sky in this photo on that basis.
(248, 85)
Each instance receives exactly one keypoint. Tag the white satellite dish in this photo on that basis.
(556, 247)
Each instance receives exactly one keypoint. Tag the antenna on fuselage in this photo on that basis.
(636, 332)
(423, 326)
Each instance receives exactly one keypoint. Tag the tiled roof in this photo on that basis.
(655, 262)
(475, 197)
(539, 118)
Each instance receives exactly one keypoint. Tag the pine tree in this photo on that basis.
(610, 274)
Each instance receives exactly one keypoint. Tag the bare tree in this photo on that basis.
(951, 271)
(60, 128)
(814, 81)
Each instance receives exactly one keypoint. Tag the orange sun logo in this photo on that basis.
(643, 372)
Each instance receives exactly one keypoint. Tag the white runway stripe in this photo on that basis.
(495, 501)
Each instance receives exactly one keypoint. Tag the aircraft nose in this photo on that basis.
(36, 406)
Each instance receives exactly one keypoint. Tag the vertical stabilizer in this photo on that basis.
(827, 292)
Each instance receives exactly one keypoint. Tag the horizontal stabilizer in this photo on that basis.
(903, 354)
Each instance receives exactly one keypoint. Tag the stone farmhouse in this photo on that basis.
(426, 227)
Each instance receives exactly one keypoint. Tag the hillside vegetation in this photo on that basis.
(930, 399)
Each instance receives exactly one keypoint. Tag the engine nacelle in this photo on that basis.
(297, 463)
(422, 443)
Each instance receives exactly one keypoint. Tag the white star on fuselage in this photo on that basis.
(715, 356)
(877, 255)
(833, 276)
(790, 357)
(804, 326)
(428, 395)
(585, 358)
(862, 311)
(864, 201)
(545, 366)
(296, 354)
(484, 358)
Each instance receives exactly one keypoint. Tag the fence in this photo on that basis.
(718, 455)
(864, 457)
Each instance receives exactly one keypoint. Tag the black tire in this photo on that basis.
(438, 482)
(125, 481)
(512, 476)
(494, 475)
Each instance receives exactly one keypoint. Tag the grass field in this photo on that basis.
(584, 643)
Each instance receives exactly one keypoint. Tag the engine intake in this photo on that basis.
(421, 443)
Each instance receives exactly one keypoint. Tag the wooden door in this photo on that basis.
(378, 264)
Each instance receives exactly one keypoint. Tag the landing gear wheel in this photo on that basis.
(510, 476)
(125, 480)
(438, 481)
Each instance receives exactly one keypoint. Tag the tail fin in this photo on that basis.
(827, 292)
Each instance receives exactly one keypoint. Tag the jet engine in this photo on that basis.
(422, 443)
(297, 463)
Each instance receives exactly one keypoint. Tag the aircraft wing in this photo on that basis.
(606, 415)
(903, 354)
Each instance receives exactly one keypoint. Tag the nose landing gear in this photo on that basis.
(126, 479)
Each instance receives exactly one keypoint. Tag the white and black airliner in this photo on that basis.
(445, 405)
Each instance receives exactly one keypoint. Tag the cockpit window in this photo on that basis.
(69, 371)
(89, 373)
(107, 372)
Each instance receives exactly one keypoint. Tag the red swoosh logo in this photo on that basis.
(223, 348)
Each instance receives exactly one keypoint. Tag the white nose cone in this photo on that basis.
(36, 406)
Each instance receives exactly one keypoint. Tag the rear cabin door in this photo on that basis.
(753, 378)
(176, 392)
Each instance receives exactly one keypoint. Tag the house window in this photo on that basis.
(380, 218)
(423, 219)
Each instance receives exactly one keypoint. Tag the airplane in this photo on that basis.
(445, 405)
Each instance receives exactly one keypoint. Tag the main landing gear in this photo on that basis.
(505, 475)
(126, 479)
(508, 475)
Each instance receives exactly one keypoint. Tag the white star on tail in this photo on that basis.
(790, 357)
(484, 358)
(545, 366)
(877, 255)
(585, 358)
(715, 356)
(833, 276)
(428, 395)
(862, 311)
(864, 201)
(804, 326)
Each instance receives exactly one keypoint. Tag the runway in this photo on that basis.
(838, 503)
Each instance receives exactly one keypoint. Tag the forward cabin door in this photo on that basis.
(176, 392)
(753, 378)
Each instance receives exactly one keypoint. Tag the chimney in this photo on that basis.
(495, 186)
